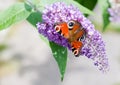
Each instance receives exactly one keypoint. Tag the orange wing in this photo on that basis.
(76, 47)
(77, 43)
(62, 29)
(74, 32)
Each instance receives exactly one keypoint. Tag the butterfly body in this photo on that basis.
(73, 32)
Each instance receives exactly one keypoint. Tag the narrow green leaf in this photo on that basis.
(104, 6)
(28, 7)
(60, 55)
(106, 20)
(59, 52)
(12, 15)
(90, 4)
(34, 18)
(83, 9)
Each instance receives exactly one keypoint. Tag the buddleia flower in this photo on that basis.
(114, 11)
(93, 45)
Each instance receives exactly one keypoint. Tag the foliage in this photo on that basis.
(60, 55)
(104, 6)
(85, 3)
(13, 14)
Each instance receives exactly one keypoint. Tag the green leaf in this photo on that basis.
(60, 55)
(59, 52)
(90, 4)
(104, 6)
(106, 20)
(34, 18)
(27, 7)
(83, 9)
(12, 15)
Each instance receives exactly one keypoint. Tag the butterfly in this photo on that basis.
(73, 32)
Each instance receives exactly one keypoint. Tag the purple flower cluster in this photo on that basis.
(114, 10)
(94, 47)
(114, 14)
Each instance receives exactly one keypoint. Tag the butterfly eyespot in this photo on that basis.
(76, 52)
(70, 24)
(57, 28)
(82, 38)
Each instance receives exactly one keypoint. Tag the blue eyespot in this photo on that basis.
(70, 24)
(82, 38)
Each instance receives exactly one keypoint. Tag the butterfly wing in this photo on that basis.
(74, 32)
(62, 29)
(76, 47)
(77, 43)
